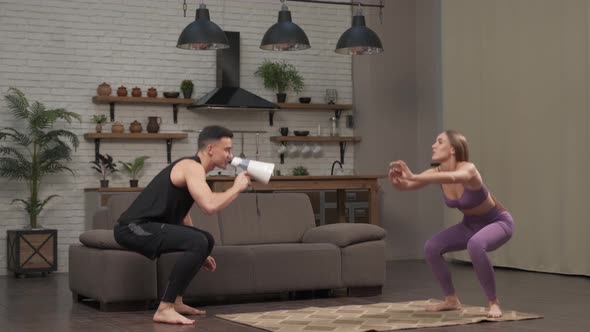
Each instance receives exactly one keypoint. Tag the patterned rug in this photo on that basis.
(368, 317)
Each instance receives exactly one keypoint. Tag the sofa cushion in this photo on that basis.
(296, 266)
(283, 218)
(208, 223)
(101, 239)
(343, 235)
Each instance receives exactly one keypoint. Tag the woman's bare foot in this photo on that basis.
(494, 311)
(167, 314)
(184, 309)
(450, 303)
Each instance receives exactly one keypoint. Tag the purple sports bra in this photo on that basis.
(469, 199)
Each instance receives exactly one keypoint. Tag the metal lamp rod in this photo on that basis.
(353, 3)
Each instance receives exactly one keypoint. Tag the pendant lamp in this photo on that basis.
(359, 40)
(202, 34)
(284, 35)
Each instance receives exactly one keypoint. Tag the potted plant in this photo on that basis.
(99, 120)
(300, 171)
(280, 76)
(34, 152)
(105, 166)
(187, 88)
(133, 168)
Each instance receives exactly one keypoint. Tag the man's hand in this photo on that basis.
(242, 181)
(210, 265)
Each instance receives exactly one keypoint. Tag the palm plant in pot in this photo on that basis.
(35, 150)
(280, 76)
(104, 165)
(133, 168)
(99, 120)
(187, 88)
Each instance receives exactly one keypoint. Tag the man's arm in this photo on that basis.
(211, 202)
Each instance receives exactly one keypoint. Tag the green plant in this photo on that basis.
(104, 165)
(37, 150)
(99, 119)
(280, 76)
(186, 85)
(300, 170)
(134, 167)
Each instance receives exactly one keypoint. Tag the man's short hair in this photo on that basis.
(211, 133)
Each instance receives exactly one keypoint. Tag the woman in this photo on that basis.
(486, 225)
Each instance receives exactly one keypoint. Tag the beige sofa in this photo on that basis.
(265, 243)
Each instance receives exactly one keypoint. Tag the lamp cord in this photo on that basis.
(184, 6)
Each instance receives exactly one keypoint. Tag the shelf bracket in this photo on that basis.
(175, 112)
(96, 148)
(169, 150)
(112, 109)
(282, 158)
(342, 149)
(337, 114)
(271, 115)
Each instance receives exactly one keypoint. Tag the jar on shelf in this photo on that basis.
(334, 126)
(152, 92)
(136, 92)
(135, 127)
(104, 89)
(117, 128)
(122, 91)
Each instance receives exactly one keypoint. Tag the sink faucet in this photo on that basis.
(334, 164)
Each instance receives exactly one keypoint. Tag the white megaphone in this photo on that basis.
(259, 170)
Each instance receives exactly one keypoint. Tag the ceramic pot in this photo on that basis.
(135, 127)
(117, 128)
(133, 183)
(281, 97)
(187, 93)
(152, 92)
(104, 89)
(122, 91)
(136, 92)
(99, 128)
(154, 124)
(104, 183)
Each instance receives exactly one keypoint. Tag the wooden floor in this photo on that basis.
(45, 304)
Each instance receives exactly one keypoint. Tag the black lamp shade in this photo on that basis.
(359, 39)
(202, 34)
(284, 35)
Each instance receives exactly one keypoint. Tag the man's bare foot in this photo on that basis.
(450, 303)
(184, 309)
(167, 314)
(494, 311)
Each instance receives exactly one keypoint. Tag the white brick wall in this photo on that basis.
(59, 51)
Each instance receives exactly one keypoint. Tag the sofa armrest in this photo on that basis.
(102, 219)
(343, 235)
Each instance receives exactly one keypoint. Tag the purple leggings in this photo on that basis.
(477, 234)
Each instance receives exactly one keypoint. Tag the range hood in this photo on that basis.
(228, 93)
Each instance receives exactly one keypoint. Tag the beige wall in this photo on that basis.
(515, 76)
(397, 103)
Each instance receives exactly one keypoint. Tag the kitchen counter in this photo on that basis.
(339, 183)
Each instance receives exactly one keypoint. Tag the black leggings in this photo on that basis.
(152, 239)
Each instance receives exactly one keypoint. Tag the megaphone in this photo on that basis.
(259, 170)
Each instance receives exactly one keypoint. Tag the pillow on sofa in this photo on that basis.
(101, 239)
(343, 235)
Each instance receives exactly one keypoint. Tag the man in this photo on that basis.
(158, 220)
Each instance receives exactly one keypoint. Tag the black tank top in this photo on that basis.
(160, 201)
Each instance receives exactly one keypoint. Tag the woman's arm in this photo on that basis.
(463, 174)
(400, 183)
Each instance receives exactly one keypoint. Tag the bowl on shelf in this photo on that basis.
(301, 132)
(171, 94)
(305, 100)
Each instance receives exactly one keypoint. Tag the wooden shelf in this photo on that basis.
(315, 139)
(138, 136)
(315, 107)
(112, 100)
(339, 139)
